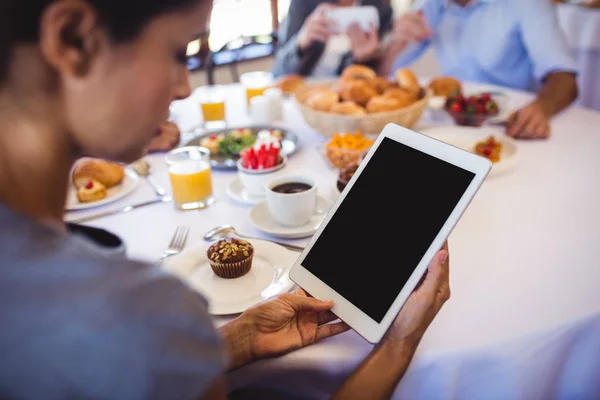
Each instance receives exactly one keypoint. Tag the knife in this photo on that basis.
(126, 209)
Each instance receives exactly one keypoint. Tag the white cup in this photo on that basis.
(255, 181)
(292, 209)
(275, 97)
(260, 110)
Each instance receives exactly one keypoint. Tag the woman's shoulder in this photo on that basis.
(61, 303)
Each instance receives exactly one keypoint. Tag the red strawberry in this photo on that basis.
(487, 151)
(89, 185)
(479, 109)
(485, 97)
(470, 108)
(456, 108)
(472, 100)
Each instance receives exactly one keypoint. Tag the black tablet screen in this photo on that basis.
(384, 226)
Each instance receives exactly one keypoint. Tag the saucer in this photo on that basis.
(238, 192)
(262, 219)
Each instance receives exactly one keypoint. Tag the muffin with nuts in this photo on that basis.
(230, 257)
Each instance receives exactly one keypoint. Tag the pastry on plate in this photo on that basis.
(358, 91)
(382, 104)
(92, 191)
(104, 172)
(358, 72)
(322, 99)
(212, 143)
(289, 83)
(445, 86)
(230, 258)
(348, 108)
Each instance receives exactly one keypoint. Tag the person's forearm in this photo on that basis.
(558, 91)
(388, 55)
(236, 338)
(287, 58)
(379, 374)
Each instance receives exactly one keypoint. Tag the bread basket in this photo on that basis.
(328, 123)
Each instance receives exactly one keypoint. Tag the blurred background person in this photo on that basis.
(512, 43)
(310, 45)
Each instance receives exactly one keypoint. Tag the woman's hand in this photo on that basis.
(167, 139)
(278, 326)
(289, 322)
(317, 27)
(365, 45)
(423, 304)
(410, 27)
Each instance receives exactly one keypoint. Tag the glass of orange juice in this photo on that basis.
(191, 180)
(255, 83)
(212, 105)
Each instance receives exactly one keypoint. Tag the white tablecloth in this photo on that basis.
(524, 318)
(582, 29)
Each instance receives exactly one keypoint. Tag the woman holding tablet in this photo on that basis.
(96, 77)
(310, 43)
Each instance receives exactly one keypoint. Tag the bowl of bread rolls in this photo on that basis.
(362, 101)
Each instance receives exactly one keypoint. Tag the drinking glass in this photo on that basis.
(190, 175)
(256, 83)
(212, 105)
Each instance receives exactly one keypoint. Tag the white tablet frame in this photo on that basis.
(363, 15)
(364, 325)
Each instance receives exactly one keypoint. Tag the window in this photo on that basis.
(234, 18)
(231, 19)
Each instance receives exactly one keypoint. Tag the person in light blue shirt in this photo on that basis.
(512, 43)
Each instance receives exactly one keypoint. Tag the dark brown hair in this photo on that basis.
(123, 19)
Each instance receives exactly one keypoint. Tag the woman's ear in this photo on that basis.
(70, 37)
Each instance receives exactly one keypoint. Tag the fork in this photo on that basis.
(177, 243)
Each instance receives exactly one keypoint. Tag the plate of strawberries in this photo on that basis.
(472, 110)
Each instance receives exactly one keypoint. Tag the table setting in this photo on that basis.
(524, 317)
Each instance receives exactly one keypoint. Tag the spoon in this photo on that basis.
(222, 231)
(142, 168)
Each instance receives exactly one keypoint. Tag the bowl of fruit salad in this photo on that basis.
(472, 110)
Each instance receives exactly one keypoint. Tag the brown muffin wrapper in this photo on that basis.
(232, 270)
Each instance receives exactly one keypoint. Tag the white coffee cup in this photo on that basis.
(292, 209)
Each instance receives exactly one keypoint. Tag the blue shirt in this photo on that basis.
(513, 43)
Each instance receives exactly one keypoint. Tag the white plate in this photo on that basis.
(130, 182)
(268, 277)
(262, 219)
(238, 192)
(466, 137)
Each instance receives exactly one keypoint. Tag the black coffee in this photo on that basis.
(292, 187)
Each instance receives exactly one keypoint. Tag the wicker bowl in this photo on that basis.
(328, 123)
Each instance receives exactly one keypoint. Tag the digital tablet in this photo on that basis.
(365, 16)
(391, 219)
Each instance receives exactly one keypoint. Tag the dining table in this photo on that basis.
(523, 321)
